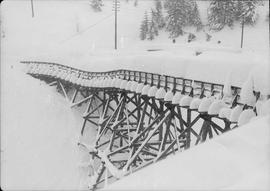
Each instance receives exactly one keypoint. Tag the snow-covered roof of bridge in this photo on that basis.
(238, 159)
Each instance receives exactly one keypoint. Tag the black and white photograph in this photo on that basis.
(135, 95)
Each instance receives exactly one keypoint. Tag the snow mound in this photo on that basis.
(139, 88)
(185, 101)
(246, 116)
(176, 98)
(152, 91)
(227, 89)
(235, 113)
(146, 89)
(168, 96)
(215, 107)
(160, 93)
(225, 113)
(246, 95)
(195, 103)
(205, 104)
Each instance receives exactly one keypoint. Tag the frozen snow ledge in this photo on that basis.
(238, 159)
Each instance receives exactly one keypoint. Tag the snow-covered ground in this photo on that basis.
(237, 160)
(38, 136)
(38, 129)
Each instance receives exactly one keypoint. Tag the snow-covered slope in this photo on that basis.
(236, 160)
(38, 136)
(70, 30)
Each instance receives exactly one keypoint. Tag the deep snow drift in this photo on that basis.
(38, 136)
(238, 160)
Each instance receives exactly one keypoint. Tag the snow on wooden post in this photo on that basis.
(242, 33)
(115, 9)
(32, 6)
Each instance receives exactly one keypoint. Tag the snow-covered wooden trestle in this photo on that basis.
(143, 117)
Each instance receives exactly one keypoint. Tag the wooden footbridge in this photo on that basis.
(143, 117)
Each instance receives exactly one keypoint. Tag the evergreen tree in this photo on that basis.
(167, 4)
(194, 16)
(221, 13)
(158, 5)
(144, 27)
(246, 11)
(135, 3)
(96, 4)
(176, 18)
(153, 27)
(157, 15)
(181, 13)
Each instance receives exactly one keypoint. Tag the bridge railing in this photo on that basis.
(175, 84)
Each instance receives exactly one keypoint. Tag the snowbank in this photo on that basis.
(38, 135)
(238, 159)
